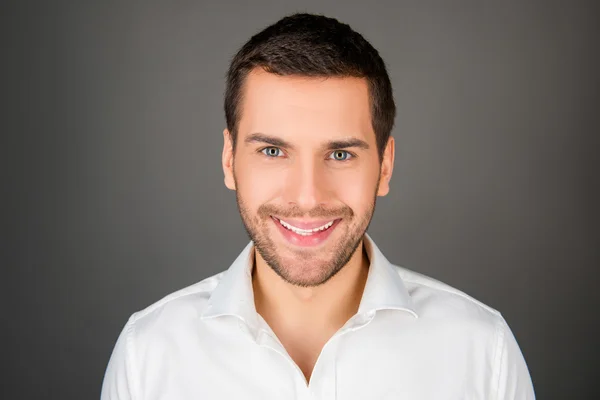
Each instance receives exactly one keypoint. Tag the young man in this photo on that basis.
(311, 309)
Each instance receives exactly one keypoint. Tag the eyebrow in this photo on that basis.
(332, 145)
(262, 138)
(343, 144)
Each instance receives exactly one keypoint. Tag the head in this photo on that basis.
(307, 148)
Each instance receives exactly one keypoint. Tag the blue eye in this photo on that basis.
(272, 151)
(341, 155)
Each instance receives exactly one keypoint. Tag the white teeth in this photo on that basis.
(305, 232)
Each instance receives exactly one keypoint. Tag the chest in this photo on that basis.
(358, 365)
(304, 351)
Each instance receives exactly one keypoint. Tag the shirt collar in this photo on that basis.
(234, 295)
(384, 289)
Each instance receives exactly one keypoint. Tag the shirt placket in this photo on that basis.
(324, 381)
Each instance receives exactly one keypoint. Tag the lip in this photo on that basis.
(312, 240)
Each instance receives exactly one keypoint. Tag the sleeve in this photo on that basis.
(511, 378)
(118, 381)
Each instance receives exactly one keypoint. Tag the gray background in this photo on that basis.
(112, 120)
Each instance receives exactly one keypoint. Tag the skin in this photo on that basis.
(285, 165)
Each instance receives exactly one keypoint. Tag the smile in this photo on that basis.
(308, 234)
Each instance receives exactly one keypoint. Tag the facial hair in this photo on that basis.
(328, 264)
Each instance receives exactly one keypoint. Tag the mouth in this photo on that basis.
(304, 233)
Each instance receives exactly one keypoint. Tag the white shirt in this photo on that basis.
(412, 338)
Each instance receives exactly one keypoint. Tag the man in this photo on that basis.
(311, 309)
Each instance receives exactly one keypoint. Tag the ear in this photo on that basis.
(387, 167)
(227, 160)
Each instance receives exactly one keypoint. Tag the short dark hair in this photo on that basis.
(314, 46)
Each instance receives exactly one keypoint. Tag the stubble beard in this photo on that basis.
(321, 267)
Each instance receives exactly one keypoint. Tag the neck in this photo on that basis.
(326, 307)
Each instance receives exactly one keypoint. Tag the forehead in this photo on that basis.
(303, 108)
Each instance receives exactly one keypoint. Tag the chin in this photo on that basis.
(309, 273)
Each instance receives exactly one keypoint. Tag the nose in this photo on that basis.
(307, 184)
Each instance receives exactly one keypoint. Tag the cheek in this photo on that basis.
(357, 189)
(256, 184)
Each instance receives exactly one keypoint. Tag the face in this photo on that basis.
(306, 172)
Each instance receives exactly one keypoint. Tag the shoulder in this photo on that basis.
(452, 316)
(152, 333)
(433, 299)
(176, 309)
